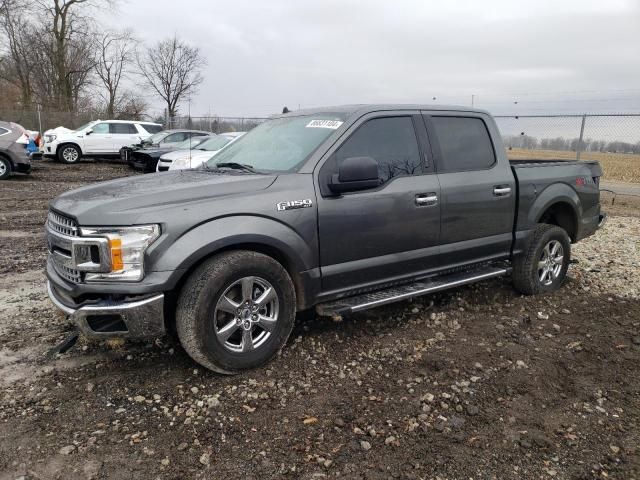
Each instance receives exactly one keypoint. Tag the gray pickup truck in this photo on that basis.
(338, 209)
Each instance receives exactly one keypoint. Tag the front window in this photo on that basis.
(100, 128)
(281, 144)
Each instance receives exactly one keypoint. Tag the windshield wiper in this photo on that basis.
(237, 166)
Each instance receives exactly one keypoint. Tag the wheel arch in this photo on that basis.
(63, 144)
(557, 205)
(277, 240)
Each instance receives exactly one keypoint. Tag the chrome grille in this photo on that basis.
(61, 224)
(67, 273)
(60, 248)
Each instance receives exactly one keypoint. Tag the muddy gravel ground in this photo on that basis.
(476, 383)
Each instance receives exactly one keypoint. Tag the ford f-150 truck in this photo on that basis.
(338, 209)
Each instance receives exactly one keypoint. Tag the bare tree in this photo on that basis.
(66, 41)
(17, 62)
(172, 69)
(114, 56)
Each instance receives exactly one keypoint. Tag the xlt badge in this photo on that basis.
(293, 204)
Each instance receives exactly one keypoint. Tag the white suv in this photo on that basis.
(100, 138)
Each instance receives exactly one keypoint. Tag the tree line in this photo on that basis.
(570, 144)
(56, 55)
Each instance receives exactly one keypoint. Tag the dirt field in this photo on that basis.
(620, 167)
(476, 383)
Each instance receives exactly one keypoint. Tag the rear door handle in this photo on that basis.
(499, 191)
(426, 199)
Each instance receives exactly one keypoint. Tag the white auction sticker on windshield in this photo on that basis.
(332, 124)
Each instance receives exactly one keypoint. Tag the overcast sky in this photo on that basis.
(563, 56)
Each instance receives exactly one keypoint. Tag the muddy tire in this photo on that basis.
(543, 265)
(5, 168)
(69, 153)
(236, 311)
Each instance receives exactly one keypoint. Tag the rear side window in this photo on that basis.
(123, 128)
(389, 141)
(464, 144)
(3, 131)
(151, 128)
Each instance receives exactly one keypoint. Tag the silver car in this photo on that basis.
(13, 155)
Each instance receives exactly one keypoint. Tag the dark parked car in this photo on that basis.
(146, 159)
(338, 209)
(165, 138)
(13, 156)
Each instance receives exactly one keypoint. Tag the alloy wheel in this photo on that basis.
(550, 263)
(246, 314)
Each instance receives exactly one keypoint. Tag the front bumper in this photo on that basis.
(139, 318)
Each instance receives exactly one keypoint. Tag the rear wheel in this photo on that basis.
(69, 153)
(236, 311)
(5, 168)
(543, 266)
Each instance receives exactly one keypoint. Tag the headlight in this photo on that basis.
(184, 162)
(52, 138)
(127, 246)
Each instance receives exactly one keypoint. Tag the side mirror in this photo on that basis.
(355, 173)
(88, 132)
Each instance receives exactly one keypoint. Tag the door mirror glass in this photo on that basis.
(88, 132)
(355, 173)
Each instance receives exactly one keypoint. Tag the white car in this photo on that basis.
(184, 159)
(100, 138)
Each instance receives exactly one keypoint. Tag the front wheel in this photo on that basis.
(236, 311)
(543, 266)
(69, 153)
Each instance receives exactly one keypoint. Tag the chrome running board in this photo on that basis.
(357, 303)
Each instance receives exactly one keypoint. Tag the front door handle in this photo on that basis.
(499, 191)
(426, 199)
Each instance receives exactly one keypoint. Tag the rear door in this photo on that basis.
(124, 134)
(390, 232)
(100, 140)
(478, 192)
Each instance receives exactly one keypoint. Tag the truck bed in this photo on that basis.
(536, 162)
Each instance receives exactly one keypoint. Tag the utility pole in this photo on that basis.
(579, 146)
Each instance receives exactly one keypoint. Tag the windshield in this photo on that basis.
(281, 144)
(215, 143)
(190, 143)
(86, 125)
(156, 137)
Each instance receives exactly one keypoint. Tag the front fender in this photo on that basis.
(223, 233)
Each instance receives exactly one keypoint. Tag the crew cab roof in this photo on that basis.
(362, 109)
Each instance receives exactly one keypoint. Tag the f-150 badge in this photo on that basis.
(293, 204)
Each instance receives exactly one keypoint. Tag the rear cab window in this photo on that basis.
(150, 128)
(464, 143)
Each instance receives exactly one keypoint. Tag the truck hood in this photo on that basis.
(142, 198)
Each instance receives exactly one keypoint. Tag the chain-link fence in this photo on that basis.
(216, 124)
(578, 136)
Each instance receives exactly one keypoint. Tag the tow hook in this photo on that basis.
(64, 346)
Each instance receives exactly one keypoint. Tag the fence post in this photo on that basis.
(579, 146)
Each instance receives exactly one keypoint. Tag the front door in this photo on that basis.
(390, 232)
(100, 140)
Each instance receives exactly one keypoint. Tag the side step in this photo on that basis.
(357, 303)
